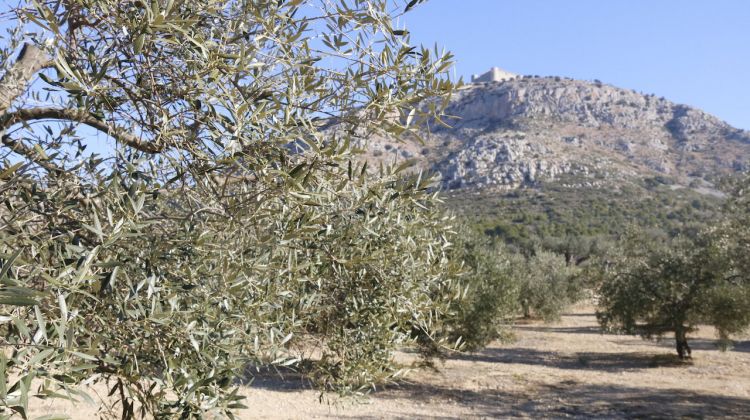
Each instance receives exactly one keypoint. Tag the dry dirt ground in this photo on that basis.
(566, 369)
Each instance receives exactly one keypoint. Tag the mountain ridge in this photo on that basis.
(524, 130)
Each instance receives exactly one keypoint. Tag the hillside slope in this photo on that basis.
(519, 132)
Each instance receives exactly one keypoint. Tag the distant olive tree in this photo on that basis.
(577, 249)
(654, 287)
(735, 230)
(490, 297)
(182, 198)
(547, 285)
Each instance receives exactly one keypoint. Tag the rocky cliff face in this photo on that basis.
(517, 132)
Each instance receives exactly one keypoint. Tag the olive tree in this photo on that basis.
(490, 295)
(182, 197)
(734, 230)
(547, 285)
(730, 307)
(652, 288)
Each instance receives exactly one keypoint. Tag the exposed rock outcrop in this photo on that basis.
(520, 131)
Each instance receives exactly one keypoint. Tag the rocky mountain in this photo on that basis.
(521, 130)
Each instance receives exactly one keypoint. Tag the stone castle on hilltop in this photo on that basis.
(496, 74)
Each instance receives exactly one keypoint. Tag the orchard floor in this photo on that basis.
(566, 369)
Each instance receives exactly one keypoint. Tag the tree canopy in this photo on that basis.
(183, 197)
(653, 287)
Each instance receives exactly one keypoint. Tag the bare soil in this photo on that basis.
(566, 369)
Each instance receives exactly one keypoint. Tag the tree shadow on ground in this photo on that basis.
(743, 346)
(283, 379)
(695, 344)
(565, 399)
(579, 400)
(608, 362)
(563, 330)
(580, 314)
(664, 342)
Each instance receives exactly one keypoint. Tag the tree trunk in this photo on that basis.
(15, 82)
(526, 309)
(683, 349)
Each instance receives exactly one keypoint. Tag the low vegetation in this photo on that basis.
(553, 214)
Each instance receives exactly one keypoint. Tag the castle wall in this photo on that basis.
(495, 74)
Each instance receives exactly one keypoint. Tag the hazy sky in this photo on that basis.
(689, 51)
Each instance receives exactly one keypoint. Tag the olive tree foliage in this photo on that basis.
(576, 249)
(547, 285)
(729, 305)
(383, 270)
(651, 287)
(499, 283)
(177, 205)
(489, 301)
(735, 229)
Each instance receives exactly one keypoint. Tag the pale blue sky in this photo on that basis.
(689, 51)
